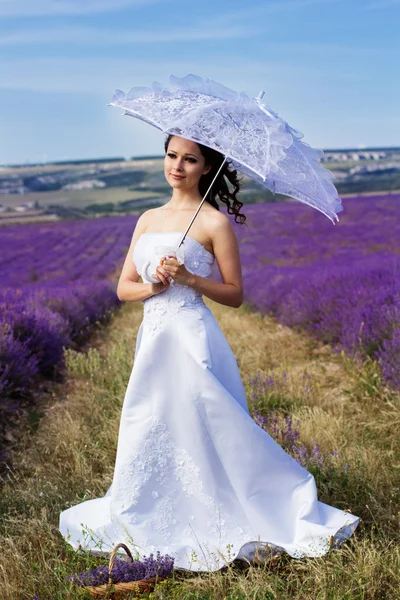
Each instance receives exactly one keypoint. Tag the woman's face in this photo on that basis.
(184, 164)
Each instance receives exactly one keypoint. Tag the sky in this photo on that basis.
(328, 67)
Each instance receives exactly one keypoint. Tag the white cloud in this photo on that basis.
(91, 36)
(36, 8)
(331, 51)
(265, 9)
(97, 37)
(103, 75)
(86, 74)
(100, 75)
(382, 4)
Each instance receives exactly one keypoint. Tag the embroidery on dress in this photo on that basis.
(159, 309)
(161, 461)
(159, 458)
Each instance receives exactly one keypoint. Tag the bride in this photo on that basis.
(195, 477)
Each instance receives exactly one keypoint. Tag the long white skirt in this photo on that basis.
(195, 477)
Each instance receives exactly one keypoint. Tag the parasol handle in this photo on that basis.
(262, 106)
(202, 202)
(145, 274)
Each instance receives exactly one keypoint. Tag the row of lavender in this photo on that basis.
(340, 283)
(56, 282)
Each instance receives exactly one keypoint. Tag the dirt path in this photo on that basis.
(71, 455)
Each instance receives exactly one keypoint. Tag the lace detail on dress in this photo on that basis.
(156, 467)
(159, 462)
(159, 309)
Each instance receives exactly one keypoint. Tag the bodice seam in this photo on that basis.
(181, 232)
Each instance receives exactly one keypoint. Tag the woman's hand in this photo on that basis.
(175, 270)
(157, 288)
(162, 276)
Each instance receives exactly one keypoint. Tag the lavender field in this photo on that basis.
(56, 282)
(340, 283)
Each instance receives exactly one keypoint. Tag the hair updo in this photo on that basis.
(220, 187)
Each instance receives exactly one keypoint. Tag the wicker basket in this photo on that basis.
(120, 589)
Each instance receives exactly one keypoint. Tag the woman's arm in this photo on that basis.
(226, 251)
(224, 293)
(129, 289)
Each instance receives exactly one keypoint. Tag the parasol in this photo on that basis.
(255, 139)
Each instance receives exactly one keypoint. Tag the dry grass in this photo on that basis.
(70, 458)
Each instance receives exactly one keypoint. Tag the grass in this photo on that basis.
(67, 454)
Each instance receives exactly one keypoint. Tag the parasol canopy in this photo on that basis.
(257, 141)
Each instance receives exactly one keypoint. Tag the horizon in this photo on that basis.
(161, 156)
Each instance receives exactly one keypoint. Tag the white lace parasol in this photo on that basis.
(245, 130)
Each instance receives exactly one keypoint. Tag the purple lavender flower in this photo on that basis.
(52, 295)
(126, 571)
(287, 434)
(341, 284)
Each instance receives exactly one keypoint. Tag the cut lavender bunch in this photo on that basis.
(124, 571)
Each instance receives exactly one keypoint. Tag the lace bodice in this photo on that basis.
(196, 259)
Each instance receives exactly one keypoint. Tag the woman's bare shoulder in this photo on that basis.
(146, 218)
(219, 222)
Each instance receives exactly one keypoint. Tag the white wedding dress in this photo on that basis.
(195, 476)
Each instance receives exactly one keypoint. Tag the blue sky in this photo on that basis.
(330, 68)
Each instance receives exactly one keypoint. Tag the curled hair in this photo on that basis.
(220, 186)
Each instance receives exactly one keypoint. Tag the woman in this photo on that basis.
(195, 477)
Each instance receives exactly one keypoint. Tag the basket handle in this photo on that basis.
(113, 557)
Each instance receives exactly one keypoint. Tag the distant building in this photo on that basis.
(85, 185)
(352, 155)
(24, 206)
(387, 166)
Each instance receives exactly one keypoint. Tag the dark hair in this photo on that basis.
(220, 186)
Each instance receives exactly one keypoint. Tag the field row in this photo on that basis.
(57, 282)
(339, 283)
